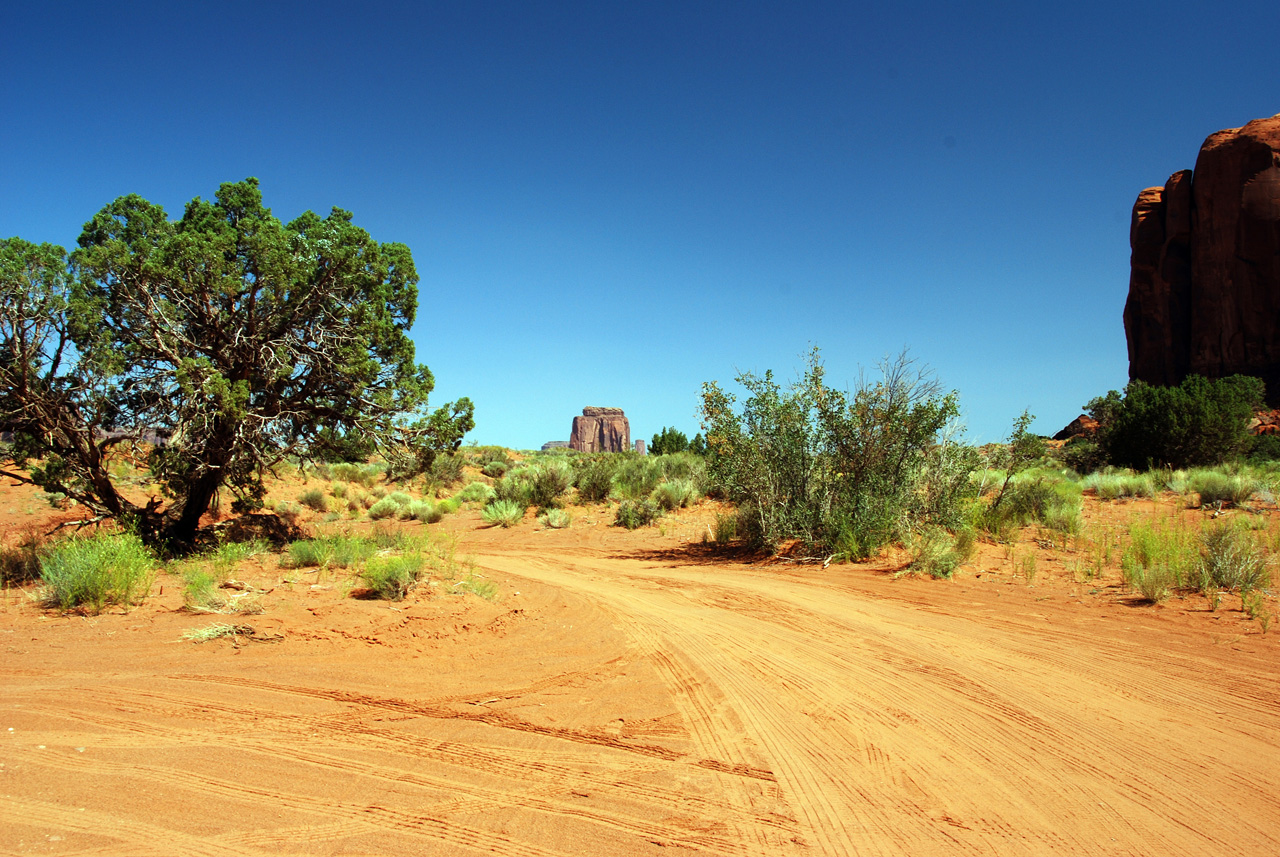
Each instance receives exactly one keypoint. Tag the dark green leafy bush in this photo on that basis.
(1197, 423)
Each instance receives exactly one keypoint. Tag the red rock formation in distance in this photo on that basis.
(601, 430)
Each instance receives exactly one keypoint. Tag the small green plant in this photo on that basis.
(504, 513)
(1029, 568)
(476, 585)
(555, 519)
(339, 490)
(636, 513)
(495, 469)
(97, 571)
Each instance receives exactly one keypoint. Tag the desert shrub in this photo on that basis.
(726, 528)
(495, 469)
(344, 551)
(1082, 455)
(555, 519)
(19, 564)
(361, 474)
(636, 476)
(516, 487)
(1200, 422)
(504, 513)
(675, 494)
(1116, 485)
(933, 552)
(392, 577)
(384, 508)
(686, 466)
(551, 480)
(448, 506)
(1231, 558)
(475, 492)
(97, 571)
(1159, 558)
(308, 553)
(841, 473)
(314, 498)
(422, 510)
(636, 513)
(288, 511)
(447, 469)
(594, 477)
(1263, 448)
(1216, 487)
(1043, 499)
(339, 490)
(400, 498)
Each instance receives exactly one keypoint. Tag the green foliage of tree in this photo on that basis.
(844, 474)
(221, 342)
(667, 441)
(1197, 423)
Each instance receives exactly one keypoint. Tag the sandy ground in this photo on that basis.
(634, 693)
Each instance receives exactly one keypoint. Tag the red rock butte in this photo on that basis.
(601, 430)
(1204, 283)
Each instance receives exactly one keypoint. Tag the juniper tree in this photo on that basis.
(216, 344)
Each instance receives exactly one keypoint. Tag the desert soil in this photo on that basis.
(636, 693)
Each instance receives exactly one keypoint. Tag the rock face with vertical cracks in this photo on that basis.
(1204, 283)
(601, 430)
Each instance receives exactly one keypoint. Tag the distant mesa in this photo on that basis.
(601, 430)
(1204, 281)
(555, 444)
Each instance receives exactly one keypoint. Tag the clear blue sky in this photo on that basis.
(611, 203)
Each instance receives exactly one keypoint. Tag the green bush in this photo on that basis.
(475, 492)
(314, 499)
(934, 552)
(1232, 559)
(393, 577)
(504, 513)
(1215, 487)
(1159, 558)
(97, 571)
(1118, 485)
(496, 469)
(675, 494)
(594, 477)
(843, 474)
(636, 476)
(726, 528)
(449, 506)
(636, 513)
(447, 469)
(1200, 422)
(385, 508)
(555, 519)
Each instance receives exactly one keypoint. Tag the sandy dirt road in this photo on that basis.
(625, 696)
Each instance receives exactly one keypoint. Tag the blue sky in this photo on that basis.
(610, 204)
